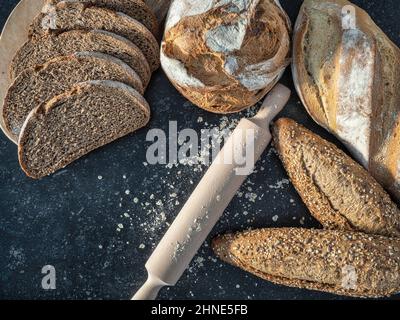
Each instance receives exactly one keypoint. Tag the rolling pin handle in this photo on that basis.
(150, 290)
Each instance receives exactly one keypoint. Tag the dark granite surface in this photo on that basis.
(97, 221)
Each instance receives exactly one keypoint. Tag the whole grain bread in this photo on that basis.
(339, 262)
(38, 51)
(136, 9)
(66, 16)
(36, 85)
(69, 126)
(339, 192)
(347, 72)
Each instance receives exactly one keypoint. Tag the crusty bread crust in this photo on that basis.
(338, 191)
(317, 259)
(350, 84)
(31, 137)
(213, 55)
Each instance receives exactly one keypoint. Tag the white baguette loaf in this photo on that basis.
(225, 56)
(347, 72)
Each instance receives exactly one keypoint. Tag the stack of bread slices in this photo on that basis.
(78, 82)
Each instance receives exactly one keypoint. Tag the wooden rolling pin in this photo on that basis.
(209, 200)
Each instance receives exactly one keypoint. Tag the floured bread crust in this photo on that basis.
(347, 74)
(212, 54)
(88, 116)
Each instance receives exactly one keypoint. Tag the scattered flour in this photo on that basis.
(280, 184)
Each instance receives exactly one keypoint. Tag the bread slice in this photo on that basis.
(42, 83)
(38, 51)
(136, 9)
(339, 262)
(67, 16)
(338, 191)
(90, 115)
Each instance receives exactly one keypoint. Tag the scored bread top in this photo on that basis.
(340, 262)
(80, 120)
(67, 16)
(136, 9)
(225, 56)
(339, 192)
(38, 51)
(36, 85)
(347, 73)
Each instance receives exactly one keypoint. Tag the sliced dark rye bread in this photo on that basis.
(66, 16)
(90, 115)
(38, 51)
(136, 9)
(37, 85)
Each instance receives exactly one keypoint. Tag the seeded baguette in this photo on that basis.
(339, 262)
(67, 16)
(339, 192)
(36, 85)
(136, 9)
(90, 115)
(39, 51)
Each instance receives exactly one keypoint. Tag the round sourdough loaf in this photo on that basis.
(224, 56)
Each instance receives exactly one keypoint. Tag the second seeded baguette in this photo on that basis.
(339, 262)
(338, 191)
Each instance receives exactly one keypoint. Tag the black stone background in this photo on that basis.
(70, 219)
